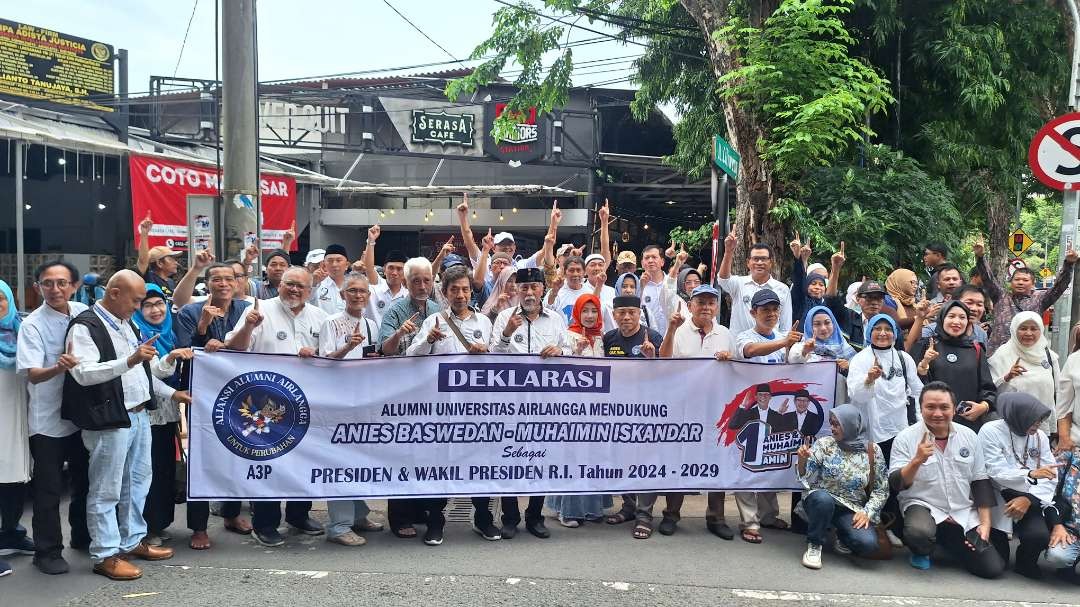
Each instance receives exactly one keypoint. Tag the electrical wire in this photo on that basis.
(422, 33)
(183, 44)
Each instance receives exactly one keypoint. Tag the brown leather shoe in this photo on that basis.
(147, 552)
(116, 568)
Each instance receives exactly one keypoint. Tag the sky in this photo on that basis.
(300, 39)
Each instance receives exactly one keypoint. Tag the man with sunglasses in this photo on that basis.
(54, 441)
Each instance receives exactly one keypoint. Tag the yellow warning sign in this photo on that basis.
(1019, 242)
(1046, 272)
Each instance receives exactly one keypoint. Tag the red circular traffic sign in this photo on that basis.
(1053, 156)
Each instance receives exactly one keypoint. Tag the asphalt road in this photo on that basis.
(594, 565)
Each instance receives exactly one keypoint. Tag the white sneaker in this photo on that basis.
(568, 522)
(895, 541)
(840, 548)
(811, 559)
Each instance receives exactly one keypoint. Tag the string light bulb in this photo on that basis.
(501, 217)
(513, 210)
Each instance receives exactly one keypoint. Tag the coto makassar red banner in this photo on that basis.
(161, 187)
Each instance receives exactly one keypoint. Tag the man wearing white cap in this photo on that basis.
(504, 242)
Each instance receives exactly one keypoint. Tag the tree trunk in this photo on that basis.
(756, 189)
(999, 220)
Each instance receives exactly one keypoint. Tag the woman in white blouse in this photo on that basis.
(1067, 411)
(1018, 460)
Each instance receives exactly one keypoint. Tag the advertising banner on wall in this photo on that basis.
(161, 187)
(529, 141)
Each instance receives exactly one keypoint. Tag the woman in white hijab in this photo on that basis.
(1027, 364)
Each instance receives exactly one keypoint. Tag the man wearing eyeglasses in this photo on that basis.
(285, 324)
(54, 441)
(742, 288)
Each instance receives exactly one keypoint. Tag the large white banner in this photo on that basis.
(280, 427)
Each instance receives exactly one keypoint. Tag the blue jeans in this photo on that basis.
(120, 477)
(822, 511)
(1063, 557)
(344, 514)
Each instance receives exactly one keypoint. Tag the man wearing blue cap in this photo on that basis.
(702, 337)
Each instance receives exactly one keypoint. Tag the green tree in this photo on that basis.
(880, 211)
(795, 101)
(1041, 220)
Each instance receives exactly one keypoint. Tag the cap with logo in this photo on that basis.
(315, 256)
(764, 297)
(452, 260)
(626, 257)
(871, 287)
(503, 237)
(161, 252)
(564, 249)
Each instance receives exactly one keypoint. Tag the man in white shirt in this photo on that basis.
(327, 294)
(384, 292)
(742, 288)
(652, 289)
(762, 342)
(54, 441)
(284, 325)
(702, 337)
(455, 330)
(119, 469)
(528, 329)
(945, 492)
(562, 297)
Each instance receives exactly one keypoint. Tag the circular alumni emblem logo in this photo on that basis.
(636, 350)
(261, 415)
(477, 334)
(519, 338)
(950, 357)
(282, 335)
(1045, 364)
(381, 304)
(964, 452)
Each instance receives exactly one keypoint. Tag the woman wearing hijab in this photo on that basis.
(826, 342)
(14, 443)
(901, 287)
(585, 335)
(880, 380)
(1026, 363)
(845, 489)
(1020, 463)
(503, 293)
(154, 317)
(952, 356)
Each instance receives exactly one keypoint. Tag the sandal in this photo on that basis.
(238, 525)
(642, 531)
(751, 536)
(367, 525)
(778, 524)
(618, 518)
(199, 541)
(407, 533)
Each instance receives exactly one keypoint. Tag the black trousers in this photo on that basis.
(511, 514)
(267, 515)
(1034, 537)
(426, 511)
(922, 534)
(198, 513)
(12, 498)
(49, 455)
(160, 507)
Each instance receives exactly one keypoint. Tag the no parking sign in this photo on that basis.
(1053, 156)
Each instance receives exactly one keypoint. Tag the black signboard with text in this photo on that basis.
(528, 143)
(443, 128)
(43, 65)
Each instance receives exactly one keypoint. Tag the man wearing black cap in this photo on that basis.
(327, 294)
(384, 292)
(871, 297)
(527, 329)
(630, 339)
(802, 419)
(276, 264)
(763, 343)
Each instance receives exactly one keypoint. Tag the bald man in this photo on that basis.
(107, 394)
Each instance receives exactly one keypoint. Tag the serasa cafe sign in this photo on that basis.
(442, 128)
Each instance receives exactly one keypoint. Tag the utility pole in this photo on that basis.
(240, 164)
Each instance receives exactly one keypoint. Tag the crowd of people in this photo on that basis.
(955, 427)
